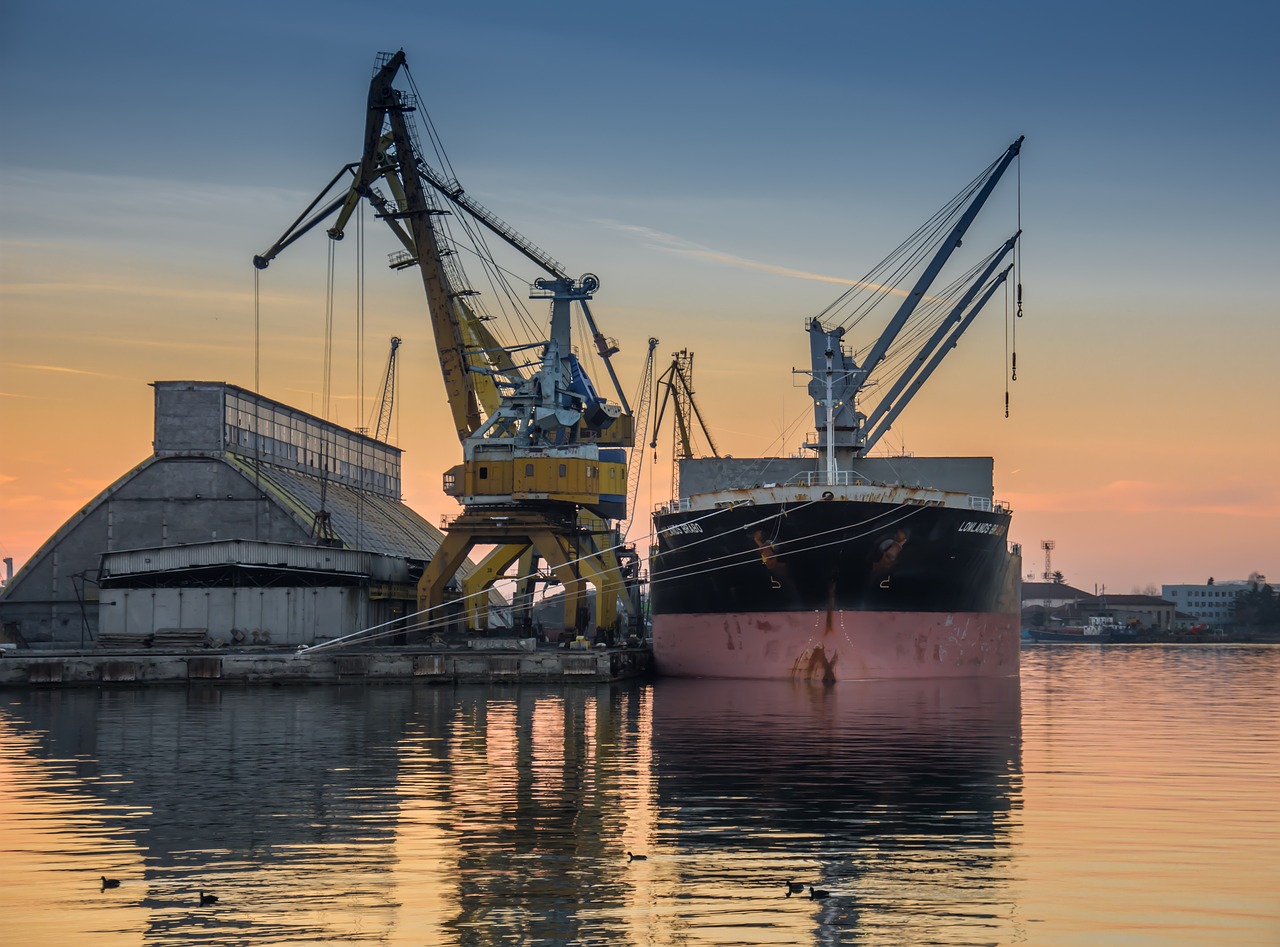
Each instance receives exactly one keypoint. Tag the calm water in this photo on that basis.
(1121, 796)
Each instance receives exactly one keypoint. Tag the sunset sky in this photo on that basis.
(724, 173)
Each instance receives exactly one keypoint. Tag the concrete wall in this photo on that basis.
(161, 503)
(971, 475)
(279, 616)
(189, 416)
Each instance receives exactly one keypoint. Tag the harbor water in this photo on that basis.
(1120, 795)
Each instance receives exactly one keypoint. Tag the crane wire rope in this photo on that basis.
(728, 561)
(503, 291)
(925, 321)
(422, 116)
(360, 380)
(907, 255)
(328, 332)
(360, 313)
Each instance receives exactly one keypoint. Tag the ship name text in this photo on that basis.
(984, 529)
(681, 529)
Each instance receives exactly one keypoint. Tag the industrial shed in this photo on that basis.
(251, 521)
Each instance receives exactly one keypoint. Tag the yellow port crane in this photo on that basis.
(544, 455)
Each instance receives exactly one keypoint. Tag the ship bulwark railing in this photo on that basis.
(843, 478)
(684, 505)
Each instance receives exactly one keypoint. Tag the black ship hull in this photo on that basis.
(835, 589)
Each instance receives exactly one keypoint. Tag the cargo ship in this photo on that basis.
(837, 565)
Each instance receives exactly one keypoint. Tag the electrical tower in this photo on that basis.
(1047, 546)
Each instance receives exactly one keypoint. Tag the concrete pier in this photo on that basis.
(514, 664)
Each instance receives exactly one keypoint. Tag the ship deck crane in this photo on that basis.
(543, 465)
(837, 380)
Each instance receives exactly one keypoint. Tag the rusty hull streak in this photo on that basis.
(815, 664)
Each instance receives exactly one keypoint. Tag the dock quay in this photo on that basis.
(511, 661)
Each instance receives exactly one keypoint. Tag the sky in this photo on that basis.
(725, 170)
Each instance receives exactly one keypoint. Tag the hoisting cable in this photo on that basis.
(1007, 325)
(360, 314)
(328, 333)
(257, 331)
(257, 388)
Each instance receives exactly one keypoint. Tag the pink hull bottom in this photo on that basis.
(837, 646)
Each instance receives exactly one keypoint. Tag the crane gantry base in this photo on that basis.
(567, 539)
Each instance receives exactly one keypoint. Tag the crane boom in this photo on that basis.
(644, 398)
(386, 402)
(945, 249)
(887, 420)
(953, 318)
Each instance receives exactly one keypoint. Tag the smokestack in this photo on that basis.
(8, 569)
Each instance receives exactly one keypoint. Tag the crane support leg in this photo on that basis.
(571, 554)
(477, 584)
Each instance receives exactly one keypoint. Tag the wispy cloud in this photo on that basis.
(669, 243)
(56, 368)
(14, 394)
(138, 289)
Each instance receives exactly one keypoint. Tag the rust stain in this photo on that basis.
(816, 666)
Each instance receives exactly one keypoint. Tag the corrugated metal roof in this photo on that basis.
(362, 520)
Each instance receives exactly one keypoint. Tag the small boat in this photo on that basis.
(1096, 631)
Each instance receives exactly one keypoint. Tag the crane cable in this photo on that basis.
(1011, 325)
(360, 313)
(328, 334)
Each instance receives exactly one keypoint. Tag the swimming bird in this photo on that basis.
(110, 882)
(637, 858)
(207, 899)
(817, 894)
(794, 887)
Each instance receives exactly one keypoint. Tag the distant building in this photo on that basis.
(1212, 604)
(1143, 611)
(1049, 604)
(1051, 594)
(251, 521)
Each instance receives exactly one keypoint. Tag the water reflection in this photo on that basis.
(895, 796)
(475, 816)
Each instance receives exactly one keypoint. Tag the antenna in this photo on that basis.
(1047, 546)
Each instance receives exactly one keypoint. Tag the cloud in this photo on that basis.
(668, 243)
(1233, 498)
(56, 368)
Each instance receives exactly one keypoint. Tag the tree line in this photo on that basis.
(1258, 608)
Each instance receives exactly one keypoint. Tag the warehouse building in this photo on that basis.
(251, 523)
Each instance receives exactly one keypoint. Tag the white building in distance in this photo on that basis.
(1212, 603)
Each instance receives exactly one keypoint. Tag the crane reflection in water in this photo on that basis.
(465, 815)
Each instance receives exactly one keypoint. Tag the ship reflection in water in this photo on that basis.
(473, 815)
(892, 795)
